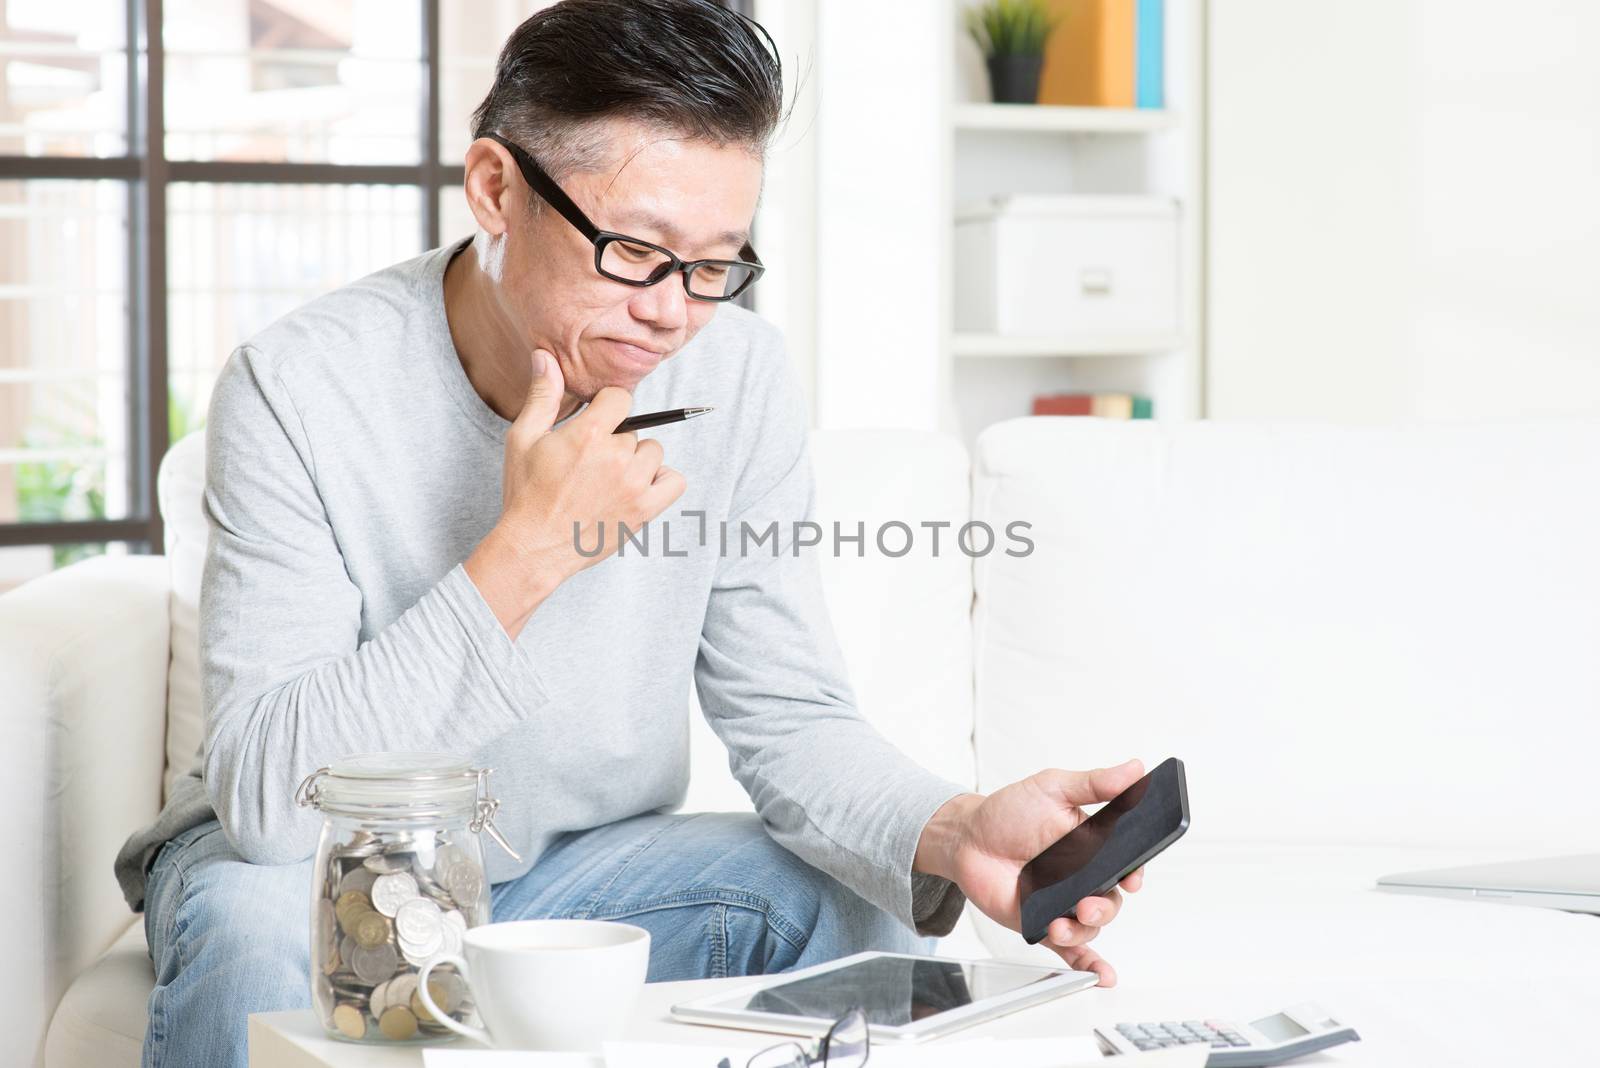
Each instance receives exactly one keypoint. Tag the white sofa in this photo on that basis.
(1375, 649)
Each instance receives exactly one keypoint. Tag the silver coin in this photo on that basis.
(389, 892)
(380, 998)
(374, 964)
(401, 987)
(465, 883)
(451, 986)
(361, 844)
(322, 994)
(325, 925)
(347, 948)
(358, 879)
(420, 953)
(452, 929)
(418, 920)
(388, 863)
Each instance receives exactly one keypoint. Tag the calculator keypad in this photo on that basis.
(1218, 1034)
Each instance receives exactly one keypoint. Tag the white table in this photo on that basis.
(1401, 1023)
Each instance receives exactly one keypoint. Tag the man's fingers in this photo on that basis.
(1090, 787)
(608, 408)
(1099, 911)
(545, 390)
(1133, 881)
(1084, 959)
(1063, 933)
(646, 459)
(667, 487)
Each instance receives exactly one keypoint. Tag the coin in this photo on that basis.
(351, 904)
(400, 989)
(465, 885)
(350, 1021)
(357, 880)
(420, 1010)
(388, 864)
(420, 953)
(374, 964)
(379, 999)
(322, 994)
(389, 892)
(418, 920)
(372, 930)
(398, 1024)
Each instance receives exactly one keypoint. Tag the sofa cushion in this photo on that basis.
(1358, 635)
(83, 654)
(180, 488)
(100, 1023)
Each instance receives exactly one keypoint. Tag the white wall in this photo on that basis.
(1403, 212)
(786, 223)
(881, 201)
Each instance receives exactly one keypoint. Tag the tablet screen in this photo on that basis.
(895, 991)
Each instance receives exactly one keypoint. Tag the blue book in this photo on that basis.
(1150, 54)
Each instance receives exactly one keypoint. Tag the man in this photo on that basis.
(395, 475)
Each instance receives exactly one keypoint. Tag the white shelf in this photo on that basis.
(1049, 118)
(964, 344)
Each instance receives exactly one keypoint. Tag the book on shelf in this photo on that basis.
(1104, 405)
(1106, 53)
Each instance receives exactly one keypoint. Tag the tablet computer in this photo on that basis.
(906, 998)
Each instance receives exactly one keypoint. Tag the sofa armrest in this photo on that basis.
(83, 659)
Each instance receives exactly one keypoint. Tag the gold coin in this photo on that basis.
(441, 997)
(397, 1023)
(350, 919)
(350, 907)
(350, 1021)
(372, 930)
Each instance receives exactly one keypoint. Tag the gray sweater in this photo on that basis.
(351, 467)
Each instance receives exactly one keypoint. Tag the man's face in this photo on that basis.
(692, 197)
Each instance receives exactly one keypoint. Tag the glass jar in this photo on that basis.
(398, 879)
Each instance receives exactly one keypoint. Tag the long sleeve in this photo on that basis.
(287, 685)
(773, 685)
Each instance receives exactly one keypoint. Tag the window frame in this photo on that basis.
(146, 172)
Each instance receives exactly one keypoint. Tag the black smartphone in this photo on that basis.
(1104, 849)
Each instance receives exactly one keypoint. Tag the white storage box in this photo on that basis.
(1061, 266)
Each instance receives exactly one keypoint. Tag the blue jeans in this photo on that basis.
(718, 896)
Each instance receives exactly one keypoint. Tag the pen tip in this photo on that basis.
(690, 413)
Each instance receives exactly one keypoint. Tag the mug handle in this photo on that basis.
(439, 1015)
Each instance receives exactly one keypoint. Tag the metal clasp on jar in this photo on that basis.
(309, 793)
(483, 815)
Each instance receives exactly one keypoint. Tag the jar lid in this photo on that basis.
(398, 785)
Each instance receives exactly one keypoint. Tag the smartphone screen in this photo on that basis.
(1126, 832)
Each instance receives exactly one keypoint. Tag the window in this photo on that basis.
(160, 205)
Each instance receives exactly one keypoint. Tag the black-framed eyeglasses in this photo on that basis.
(635, 262)
(846, 1045)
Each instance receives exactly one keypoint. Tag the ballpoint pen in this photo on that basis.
(650, 419)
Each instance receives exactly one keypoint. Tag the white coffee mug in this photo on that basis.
(547, 984)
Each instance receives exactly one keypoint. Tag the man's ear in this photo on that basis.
(488, 185)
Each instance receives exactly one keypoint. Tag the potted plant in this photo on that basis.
(1012, 35)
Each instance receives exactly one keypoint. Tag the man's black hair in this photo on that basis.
(690, 68)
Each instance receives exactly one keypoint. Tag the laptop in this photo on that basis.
(1571, 883)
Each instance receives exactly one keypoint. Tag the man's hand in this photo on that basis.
(582, 474)
(981, 844)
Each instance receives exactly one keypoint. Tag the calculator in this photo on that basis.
(1276, 1039)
